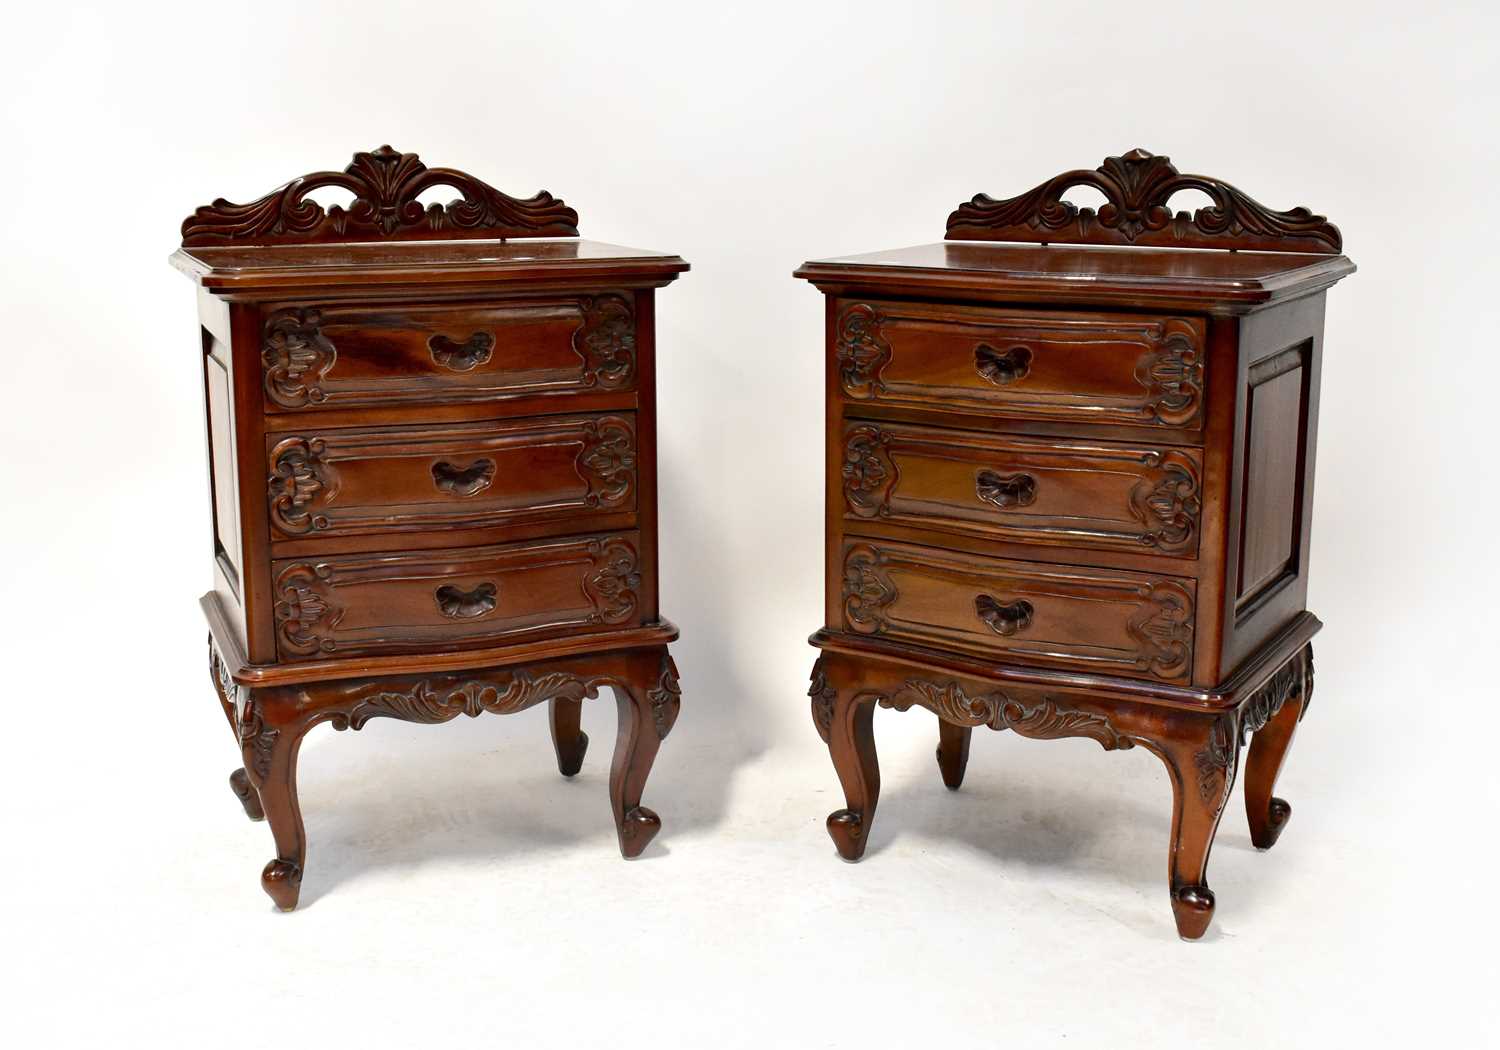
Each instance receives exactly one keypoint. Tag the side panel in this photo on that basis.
(223, 480)
(1275, 434)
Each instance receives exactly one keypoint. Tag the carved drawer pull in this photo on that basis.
(457, 604)
(463, 481)
(462, 356)
(1003, 619)
(1005, 490)
(1002, 367)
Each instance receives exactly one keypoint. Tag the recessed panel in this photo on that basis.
(221, 457)
(1271, 504)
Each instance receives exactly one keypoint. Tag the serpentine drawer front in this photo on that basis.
(1141, 498)
(366, 604)
(331, 356)
(432, 467)
(1068, 366)
(1068, 489)
(399, 479)
(1126, 623)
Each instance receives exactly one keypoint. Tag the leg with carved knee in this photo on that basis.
(1201, 761)
(851, 743)
(228, 694)
(648, 709)
(270, 751)
(953, 752)
(1268, 750)
(568, 740)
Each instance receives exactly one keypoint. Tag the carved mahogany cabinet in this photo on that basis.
(1069, 476)
(431, 433)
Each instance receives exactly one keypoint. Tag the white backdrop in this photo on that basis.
(458, 891)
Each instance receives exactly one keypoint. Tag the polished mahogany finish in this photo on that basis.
(1069, 484)
(432, 464)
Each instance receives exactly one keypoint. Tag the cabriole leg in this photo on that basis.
(648, 709)
(953, 752)
(239, 783)
(851, 745)
(1201, 761)
(1268, 750)
(568, 740)
(270, 752)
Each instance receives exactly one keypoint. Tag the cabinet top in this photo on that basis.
(1123, 276)
(270, 269)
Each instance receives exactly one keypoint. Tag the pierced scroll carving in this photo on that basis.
(607, 461)
(1163, 629)
(1138, 187)
(665, 698)
(1004, 618)
(463, 482)
(822, 695)
(296, 356)
(606, 341)
(386, 184)
(861, 352)
(613, 584)
(425, 702)
(459, 604)
(1002, 367)
(1006, 491)
(1045, 720)
(868, 590)
(869, 472)
(462, 357)
(300, 481)
(305, 611)
(1167, 502)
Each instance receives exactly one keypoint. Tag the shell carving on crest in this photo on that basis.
(386, 184)
(1137, 188)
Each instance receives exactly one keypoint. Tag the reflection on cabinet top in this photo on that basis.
(270, 268)
(1067, 273)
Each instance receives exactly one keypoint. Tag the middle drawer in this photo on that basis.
(1068, 493)
(411, 478)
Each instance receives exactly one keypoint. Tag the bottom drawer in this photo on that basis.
(1089, 619)
(392, 603)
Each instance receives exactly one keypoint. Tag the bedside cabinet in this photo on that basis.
(432, 460)
(1069, 489)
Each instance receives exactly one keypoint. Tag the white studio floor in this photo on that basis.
(459, 892)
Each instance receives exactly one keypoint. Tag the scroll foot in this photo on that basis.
(1193, 908)
(847, 829)
(283, 883)
(637, 830)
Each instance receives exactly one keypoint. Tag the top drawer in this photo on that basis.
(336, 356)
(1129, 369)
